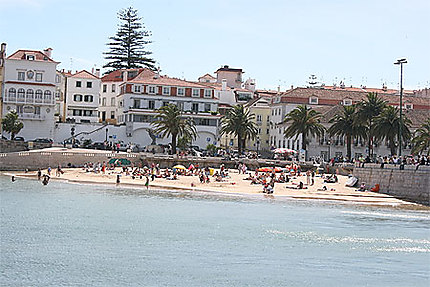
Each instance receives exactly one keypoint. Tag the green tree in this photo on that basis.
(421, 140)
(239, 122)
(11, 124)
(128, 46)
(386, 127)
(347, 124)
(303, 121)
(170, 122)
(211, 148)
(370, 108)
(184, 142)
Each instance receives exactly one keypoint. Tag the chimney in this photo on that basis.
(48, 52)
(292, 87)
(125, 76)
(224, 85)
(98, 73)
(279, 89)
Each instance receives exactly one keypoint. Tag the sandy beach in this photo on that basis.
(234, 185)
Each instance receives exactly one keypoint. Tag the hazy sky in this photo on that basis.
(275, 42)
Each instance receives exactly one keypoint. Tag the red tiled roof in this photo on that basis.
(145, 78)
(84, 75)
(207, 76)
(333, 97)
(38, 56)
(368, 90)
(228, 69)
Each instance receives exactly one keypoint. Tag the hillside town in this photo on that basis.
(119, 107)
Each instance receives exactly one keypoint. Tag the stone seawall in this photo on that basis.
(408, 184)
(14, 146)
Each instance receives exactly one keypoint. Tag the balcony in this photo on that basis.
(29, 100)
(29, 116)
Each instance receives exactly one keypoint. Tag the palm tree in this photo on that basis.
(305, 122)
(347, 124)
(421, 140)
(368, 110)
(11, 124)
(239, 122)
(386, 127)
(170, 122)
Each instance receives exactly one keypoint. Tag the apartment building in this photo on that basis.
(29, 88)
(140, 98)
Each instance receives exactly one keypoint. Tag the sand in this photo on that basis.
(235, 185)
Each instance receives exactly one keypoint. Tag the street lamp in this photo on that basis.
(106, 138)
(401, 62)
(329, 143)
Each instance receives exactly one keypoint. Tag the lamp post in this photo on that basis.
(401, 62)
(329, 143)
(106, 138)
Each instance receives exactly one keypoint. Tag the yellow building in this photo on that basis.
(260, 108)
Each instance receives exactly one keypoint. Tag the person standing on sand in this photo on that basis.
(39, 174)
(118, 179)
(147, 182)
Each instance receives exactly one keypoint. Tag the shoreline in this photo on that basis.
(235, 186)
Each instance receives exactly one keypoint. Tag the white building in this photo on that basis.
(82, 97)
(29, 84)
(108, 109)
(140, 98)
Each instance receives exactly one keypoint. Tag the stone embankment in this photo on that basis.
(53, 157)
(15, 146)
(408, 184)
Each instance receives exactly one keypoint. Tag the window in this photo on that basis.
(151, 89)
(104, 88)
(195, 107)
(181, 92)
(88, 98)
(196, 93)
(137, 88)
(136, 104)
(313, 100)
(180, 105)
(38, 77)
(151, 105)
(267, 131)
(89, 85)
(112, 102)
(21, 93)
(57, 79)
(112, 115)
(208, 94)
(47, 95)
(30, 94)
(87, 113)
(103, 102)
(165, 104)
(78, 84)
(77, 98)
(113, 88)
(347, 102)
(207, 107)
(38, 95)
(259, 118)
(77, 112)
(409, 106)
(21, 76)
(166, 91)
(37, 110)
(30, 57)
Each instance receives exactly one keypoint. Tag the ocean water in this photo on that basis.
(83, 235)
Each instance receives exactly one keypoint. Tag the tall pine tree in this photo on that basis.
(128, 46)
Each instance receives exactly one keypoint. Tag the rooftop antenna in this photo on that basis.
(71, 64)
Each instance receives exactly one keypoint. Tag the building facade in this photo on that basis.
(328, 101)
(2, 60)
(29, 85)
(140, 98)
(82, 97)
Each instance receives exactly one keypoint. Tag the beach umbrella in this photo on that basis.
(284, 151)
(179, 166)
(119, 161)
(265, 169)
(191, 167)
